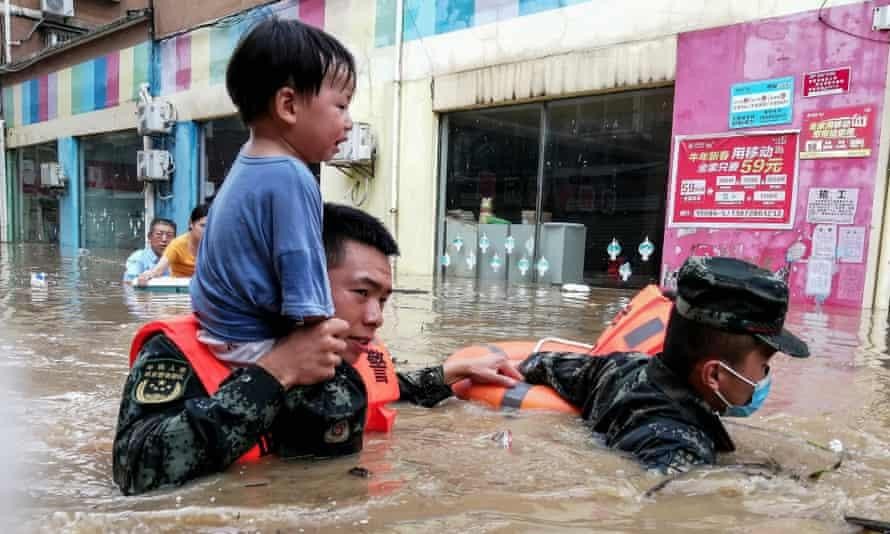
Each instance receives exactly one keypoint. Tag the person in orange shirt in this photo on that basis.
(181, 253)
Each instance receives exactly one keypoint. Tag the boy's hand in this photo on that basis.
(308, 355)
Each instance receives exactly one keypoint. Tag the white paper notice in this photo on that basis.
(851, 244)
(819, 277)
(824, 241)
(832, 205)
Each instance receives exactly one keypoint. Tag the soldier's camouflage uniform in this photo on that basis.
(637, 404)
(642, 406)
(170, 431)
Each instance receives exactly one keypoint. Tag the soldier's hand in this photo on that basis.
(494, 369)
(308, 355)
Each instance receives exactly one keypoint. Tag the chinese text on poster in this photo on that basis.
(734, 181)
(838, 133)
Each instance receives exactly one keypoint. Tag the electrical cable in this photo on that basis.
(259, 11)
(845, 31)
(353, 191)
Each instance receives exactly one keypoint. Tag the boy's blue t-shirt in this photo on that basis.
(261, 265)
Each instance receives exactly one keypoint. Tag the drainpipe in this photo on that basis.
(4, 224)
(396, 123)
(145, 98)
(7, 29)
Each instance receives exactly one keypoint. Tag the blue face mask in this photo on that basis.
(761, 391)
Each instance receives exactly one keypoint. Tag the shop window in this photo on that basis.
(602, 180)
(39, 205)
(606, 168)
(491, 190)
(223, 139)
(114, 199)
(493, 154)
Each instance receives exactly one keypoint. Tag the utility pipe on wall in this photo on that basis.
(145, 99)
(7, 30)
(19, 11)
(396, 123)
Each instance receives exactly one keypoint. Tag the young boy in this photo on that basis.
(262, 270)
(726, 324)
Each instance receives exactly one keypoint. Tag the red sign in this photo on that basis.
(734, 181)
(838, 133)
(827, 82)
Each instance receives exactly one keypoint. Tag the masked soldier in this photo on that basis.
(725, 326)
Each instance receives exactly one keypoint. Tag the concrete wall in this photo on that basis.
(710, 61)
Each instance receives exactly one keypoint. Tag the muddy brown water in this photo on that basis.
(64, 360)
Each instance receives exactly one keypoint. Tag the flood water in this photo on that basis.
(64, 361)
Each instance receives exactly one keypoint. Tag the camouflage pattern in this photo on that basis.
(171, 431)
(637, 404)
(322, 420)
(424, 387)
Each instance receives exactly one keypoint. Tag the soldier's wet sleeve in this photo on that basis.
(170, 431)
(573, 376)
(666, 445)
(425, 387)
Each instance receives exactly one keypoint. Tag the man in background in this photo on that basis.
(160, 232)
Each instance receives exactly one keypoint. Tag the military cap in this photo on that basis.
(736, 296)
(322, 420)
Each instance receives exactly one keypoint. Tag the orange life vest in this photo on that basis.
(375, 367)
(639, 327)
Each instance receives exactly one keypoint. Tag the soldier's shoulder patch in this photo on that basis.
(161, 381)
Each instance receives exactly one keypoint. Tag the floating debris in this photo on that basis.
(504, 439)
(360, 472)
(869, 524)
(576, 288)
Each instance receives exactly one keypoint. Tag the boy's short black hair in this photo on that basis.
(687, 342)
(280, 53)
(343, 223)
(160, 220)
(199, 212)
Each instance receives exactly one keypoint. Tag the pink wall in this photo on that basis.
(709, 62)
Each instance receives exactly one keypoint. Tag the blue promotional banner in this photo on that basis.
(761, 103)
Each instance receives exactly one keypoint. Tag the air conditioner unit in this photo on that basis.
(358, 149)
(154, 165)
(155, 117)
(62, 8)
(51, 175)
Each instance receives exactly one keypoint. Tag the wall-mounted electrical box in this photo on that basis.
(155, 117)
(881, 18)
(60, 8)
(358, 149)
(154, 165)
(51, 175)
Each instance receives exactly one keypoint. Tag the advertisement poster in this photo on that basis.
(761, 103)
(832, 205)
(826, 82)
(838, 133)
(734, 181)
(824, 241)
(819, 277)
(851, 244)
